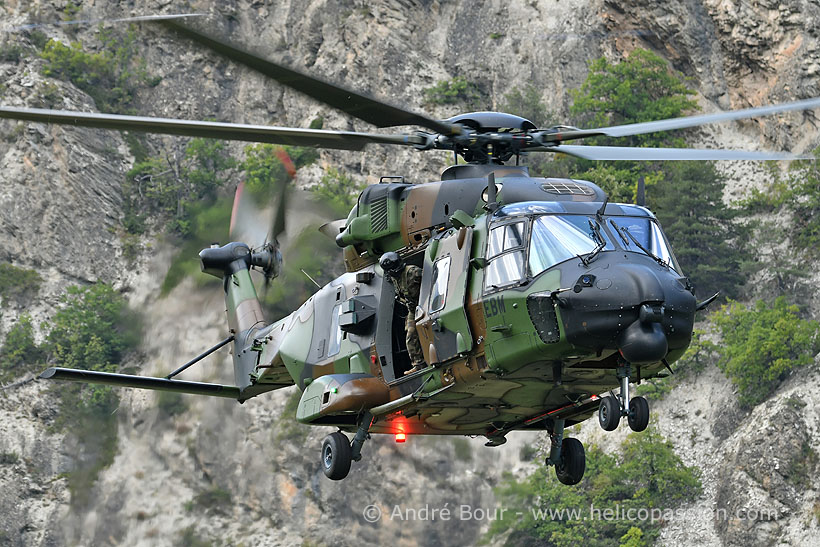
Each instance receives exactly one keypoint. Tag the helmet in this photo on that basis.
(391, 263)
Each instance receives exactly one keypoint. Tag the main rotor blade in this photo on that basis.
(682, 123)
(318, 138)
(356, 104)
(616, 153)
(135, 19)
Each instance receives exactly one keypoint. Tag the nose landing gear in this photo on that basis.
(612, 408)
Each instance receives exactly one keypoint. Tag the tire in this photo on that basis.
(609, 413)
(336, 456)
(573, 462)
(638, 414)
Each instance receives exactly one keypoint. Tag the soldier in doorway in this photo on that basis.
(407, 281)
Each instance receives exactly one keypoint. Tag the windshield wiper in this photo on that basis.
(618, 231)
(658, 259)
(596, 230)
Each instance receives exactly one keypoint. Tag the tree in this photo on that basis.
(707, 241)
(687, 196)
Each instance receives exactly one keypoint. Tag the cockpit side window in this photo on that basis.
(505, 251)
(506, 237)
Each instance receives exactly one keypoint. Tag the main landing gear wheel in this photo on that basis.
(570, 470)
(638, 414)
(609, 413)
(336, 456)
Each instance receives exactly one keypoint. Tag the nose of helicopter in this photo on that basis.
(630, 304)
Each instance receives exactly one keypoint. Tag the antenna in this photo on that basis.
(492, 197)
(308, 276)
(640, 196)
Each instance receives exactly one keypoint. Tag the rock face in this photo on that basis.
(246, 474)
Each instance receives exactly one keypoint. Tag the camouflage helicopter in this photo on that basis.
(540, 302)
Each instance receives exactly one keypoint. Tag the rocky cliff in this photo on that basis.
(60, 212)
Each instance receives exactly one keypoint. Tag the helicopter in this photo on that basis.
(540, 301)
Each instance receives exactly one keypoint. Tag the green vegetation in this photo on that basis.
(111, 77)
(171, 404)
(18, 283)
(189, 538)
(9, 458)
(462, 450)
(264, 171)
(686, 196)
(19, 349)
(11, 52)
(214, 498)
(456, 91)
(528, 452)
(175, 186)
(798, 193)
(338, 190)
(640, 88)
(93, 329)
(527, 103)
(645, 475)
(208, 224)
(801, 466)
(762, 344)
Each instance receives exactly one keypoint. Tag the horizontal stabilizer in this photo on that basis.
(143, 382)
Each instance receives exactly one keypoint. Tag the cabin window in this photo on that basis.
(504, 238)
(441, 276)
(335, 332)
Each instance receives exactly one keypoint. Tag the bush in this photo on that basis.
(462, 450)
(93, 330)
(338, 190)
(526, 102)
(19, 348)
(171, 403)
(646, 474)
(18, 283)
(762, 344)
(456, 91)
(111, 77)
(215, 498)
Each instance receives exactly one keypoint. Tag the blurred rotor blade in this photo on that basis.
(135, 19)
(333, 228)
(681, 123)
(278, 224)
(616, 153)
(355, 104)
(318, 138)
(249, 224)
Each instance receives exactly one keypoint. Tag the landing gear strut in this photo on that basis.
(567, 455)
(612, 408)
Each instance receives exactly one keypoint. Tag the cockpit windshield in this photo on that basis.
(556, 238)
(524, 248)
(642, 235)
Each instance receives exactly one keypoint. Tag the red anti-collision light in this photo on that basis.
(401, 437)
